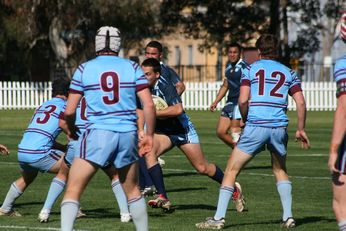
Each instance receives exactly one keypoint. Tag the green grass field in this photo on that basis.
(194, 196)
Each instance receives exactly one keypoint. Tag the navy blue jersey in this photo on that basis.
(233, 75)
(175, 125)
(169, 74)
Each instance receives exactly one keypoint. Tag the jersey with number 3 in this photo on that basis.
(42, 131)
(109, 85)
(270, 82)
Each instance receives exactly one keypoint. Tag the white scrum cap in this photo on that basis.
(108, 38)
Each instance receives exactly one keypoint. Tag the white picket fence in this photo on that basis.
(320, 96)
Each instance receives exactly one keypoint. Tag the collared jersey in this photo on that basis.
(270, 83)
(175, 125)
(42, 131)
(233, 75)
(340, 76)
(169, 74)
(109, 85)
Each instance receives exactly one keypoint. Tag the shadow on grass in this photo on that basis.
(257, 167)
(186, 189)
(173, 174)
(202, 207)
(299, 222)
(20, 205)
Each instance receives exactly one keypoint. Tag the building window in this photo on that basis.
(190, 55)
(177, 56)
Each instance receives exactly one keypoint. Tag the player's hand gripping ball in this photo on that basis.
(159, 103)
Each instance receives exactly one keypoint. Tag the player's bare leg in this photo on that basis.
(16, 190)
(79, 176)
(138, 209)
(235, 163)
(339, 198)
(222, 131)
(284, 188)
(196, 157)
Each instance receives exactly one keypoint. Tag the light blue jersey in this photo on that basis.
(110, 95)
(340, 75)
(43, 129)
(270, 84)
(340, 78)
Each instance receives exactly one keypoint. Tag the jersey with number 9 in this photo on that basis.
(109, 84)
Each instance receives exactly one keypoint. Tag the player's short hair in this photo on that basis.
(343, 27)
(268, 45)
(155, 44)
(154, 63)
(234, 44)
(60, 87)
(107, 39)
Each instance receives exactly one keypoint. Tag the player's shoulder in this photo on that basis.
(341, 61)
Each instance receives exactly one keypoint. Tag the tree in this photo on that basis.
(68, 26)
(214, 22)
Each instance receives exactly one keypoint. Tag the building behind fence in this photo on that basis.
(320, 96)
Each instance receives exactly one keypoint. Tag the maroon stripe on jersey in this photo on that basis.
(127, 83)
(340, 71)
(54, 157)
(42, 132)
(266, 105)
(134, 200)
(272, 103)
(294, 89)
(81, 68)
(31, 151)
(76, 91)
(245, 82)
(141, 87)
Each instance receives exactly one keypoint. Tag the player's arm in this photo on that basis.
(170, 111)
(243, 101)
(146, 144)
(140, 123)
(59, 146)
(339, 128)
(179, 85)
(301, 136)
(221, 93)
(70, 114)
(3, 150)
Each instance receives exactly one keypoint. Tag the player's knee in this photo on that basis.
(202, 169)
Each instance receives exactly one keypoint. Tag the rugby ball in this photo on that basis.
(159, 103)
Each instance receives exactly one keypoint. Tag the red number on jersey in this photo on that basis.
(83, 109)
(47, 114)
(261, 80)
(110, 83)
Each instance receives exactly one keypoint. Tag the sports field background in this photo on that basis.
(194, 196)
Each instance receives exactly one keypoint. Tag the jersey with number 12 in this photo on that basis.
(109, 85)
(270, 83)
